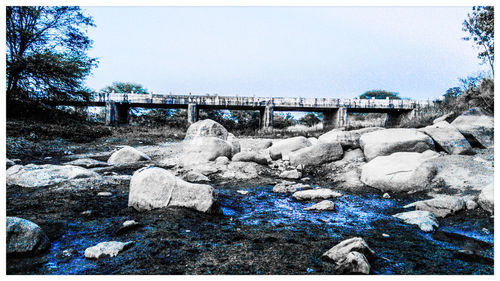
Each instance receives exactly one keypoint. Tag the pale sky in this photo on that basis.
(338, 52)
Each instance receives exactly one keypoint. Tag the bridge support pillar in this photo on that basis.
(266, 117)
(192, 113)
(116, 113)
(396, 118)
(336, 118)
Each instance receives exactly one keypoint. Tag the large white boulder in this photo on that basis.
(25, 237)
(284, 147)
(206, 128)
(462, 172)
(385, 142)
(127, 155)
(152, 188)
(448, 138)
(32, 175)
(348, 139)
(486, 198)
(476, 126)
(316, 154)
(399, 172)
(204, 149)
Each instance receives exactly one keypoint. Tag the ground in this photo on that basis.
(258, 233)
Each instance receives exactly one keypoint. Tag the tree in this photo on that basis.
(480, 25)
(380, 94)
(47, 52)
(125, 87)
(310, 119)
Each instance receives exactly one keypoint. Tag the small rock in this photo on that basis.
(104, 194)
(222, 160)
(129, 223)
(350, 256)
(9, 163)
(104, 249)
(424, 219)
(325, 205)
(47, 158)
(320, 193)
(86, 213)
(386, 195)
(87, 163)
(196, 177)
(293, 174)
(243, 192)
(127, 155)
(385, 235)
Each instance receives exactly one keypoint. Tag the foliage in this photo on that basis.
(246, 120)
(46, 52)
(310, 119)
(380, 94)
(125, 87)
(480, 25)
(281, 121)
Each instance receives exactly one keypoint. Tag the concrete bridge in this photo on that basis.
(335, 111)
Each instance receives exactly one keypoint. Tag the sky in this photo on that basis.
(337, 52)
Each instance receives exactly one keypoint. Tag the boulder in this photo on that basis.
(400, 172)
(284, 147)
(313, 194)
(354, 155)
(264, 144)
(241, 171)
(386, 142)
(25, 237)
(325, 205)
(462, 172)
(486, 198)
(423, 219)
(348, 139)
(448, 138)
(107, 249)
(196, 177)
(250, 156)
(222, 160)
(313, 140)
(293, 175)
(235, 143)
(87, 163)
(350, 256)
(32, 175)
(440, 206)
(204, 149)
(152, 188)
(446, 118)
(355, 263)
(350, 180)
(317, 154)
(206, 128)
(476, 126)
(127, 155)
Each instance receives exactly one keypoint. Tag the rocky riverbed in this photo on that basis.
(246, 216)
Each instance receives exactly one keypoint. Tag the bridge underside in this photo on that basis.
(117, 113)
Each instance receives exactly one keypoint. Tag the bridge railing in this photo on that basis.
(260, 101)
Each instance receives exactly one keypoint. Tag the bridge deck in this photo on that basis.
(250, 103)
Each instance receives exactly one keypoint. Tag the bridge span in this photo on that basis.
(335, 111)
